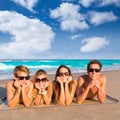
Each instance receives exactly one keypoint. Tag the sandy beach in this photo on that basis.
(80, 112)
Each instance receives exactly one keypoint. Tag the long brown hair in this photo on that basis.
(57, 85)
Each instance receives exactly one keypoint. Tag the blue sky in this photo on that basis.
(59, 29)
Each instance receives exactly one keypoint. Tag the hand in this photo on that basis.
(91, 84)
(97, 83)
(17, 85)
(24, 85)
(69, 79)
(37, 86)
(59, 80)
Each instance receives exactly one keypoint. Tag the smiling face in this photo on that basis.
(63, 74)
(42, 80)
(94, 71)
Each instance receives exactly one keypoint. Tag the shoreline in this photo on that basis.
(4, 78)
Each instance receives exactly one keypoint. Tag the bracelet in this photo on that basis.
(43, 93)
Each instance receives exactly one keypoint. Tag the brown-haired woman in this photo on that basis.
(63, 86)
(42, 88)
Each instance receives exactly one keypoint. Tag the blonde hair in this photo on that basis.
(21, 68)
(39, 72)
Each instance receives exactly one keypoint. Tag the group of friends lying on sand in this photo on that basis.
(39, 89)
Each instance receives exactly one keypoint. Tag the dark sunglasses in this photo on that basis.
(62, 74)
(22, 77)
(92, 70)
(43, 79)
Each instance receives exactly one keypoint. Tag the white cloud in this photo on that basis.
(110, 2)
(69, 16)
(98, 18)
(29, 4)
(86, 3)
(73, 37)
(93, 44)
(29, 36)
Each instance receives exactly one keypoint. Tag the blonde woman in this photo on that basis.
(19, 89)
(42, 88)
(64, 86)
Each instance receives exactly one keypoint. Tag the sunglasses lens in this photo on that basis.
(43, 79)
(62, 74)
(97, 70)
(92, 70)
(37, 79)
(28, 77)
(22, 78)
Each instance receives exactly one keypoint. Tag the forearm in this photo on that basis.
(101, 95)
(68, 98)
(26, 100)
(37, 99)
(47, 97)
(82, 96)
(61, 98)
(15, 100)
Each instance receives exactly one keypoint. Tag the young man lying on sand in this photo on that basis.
(19, 90)
(92, 84)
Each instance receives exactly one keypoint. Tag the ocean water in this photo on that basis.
(51, 65)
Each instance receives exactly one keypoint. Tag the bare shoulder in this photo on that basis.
(74, 82)
(83, 78)
(53, 83)
(103, 78)
(9, 83)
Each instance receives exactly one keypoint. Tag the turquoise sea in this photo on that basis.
(51, 65)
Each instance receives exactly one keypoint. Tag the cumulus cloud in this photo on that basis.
(110, 2)
(29, 36)
(93, 44)
(69, 16)
(29, 4)
(73, 37)
(86, 3)
(98, 18)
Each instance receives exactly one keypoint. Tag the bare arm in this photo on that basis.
(13, 94)
(27, 96)
(69, 94)
(102, 90)
(59, 96)
(81, 91)
(48, 95)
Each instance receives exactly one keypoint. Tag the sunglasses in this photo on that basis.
(92, 70)
(22, 77)
(43, 79)
(62, 74)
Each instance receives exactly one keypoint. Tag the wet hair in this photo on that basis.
(21, 68)
(94, 61)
